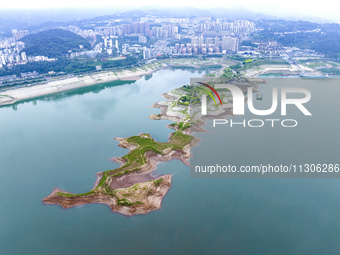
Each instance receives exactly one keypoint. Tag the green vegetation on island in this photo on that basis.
(181, 125)
(228, 73)
(184, 100)
(136, 159)
(158, 182)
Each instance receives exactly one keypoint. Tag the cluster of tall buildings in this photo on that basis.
(213, 44)
(165, 31)
(230, 44)
(11, 59)
(140, 28)
(86, 33)
(242, 26)
(142, 39)
(10, 52)
(169, 20)
(108, 45)
(206, 35)
(221, 35)
(135, 28)
(237, 27)
(198, 45)
(167, 27)
(17, 35)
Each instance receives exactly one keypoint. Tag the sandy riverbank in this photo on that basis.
(15, 95)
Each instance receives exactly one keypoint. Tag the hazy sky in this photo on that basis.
(328, 9)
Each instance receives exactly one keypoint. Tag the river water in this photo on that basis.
(63, 140)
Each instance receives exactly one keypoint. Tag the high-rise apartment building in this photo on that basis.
(230, 43)
(23, 56)
(17, 35)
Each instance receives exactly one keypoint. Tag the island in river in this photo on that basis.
(130, 189)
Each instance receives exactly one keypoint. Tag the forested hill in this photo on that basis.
(53, 43)
(323, 38)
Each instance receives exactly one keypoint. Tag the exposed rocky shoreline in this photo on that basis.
(140, 187)
(147, 203)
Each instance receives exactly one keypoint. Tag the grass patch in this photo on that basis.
(261, 62)
(135, 159)
(75, 195)
(158, 182)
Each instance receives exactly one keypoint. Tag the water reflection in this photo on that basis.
(70, 93)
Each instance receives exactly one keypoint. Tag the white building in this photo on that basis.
(10, 59)
(117, 46)
(146, 53)
(3, 60)
(142, 39)
(23, 56)
(230, 43)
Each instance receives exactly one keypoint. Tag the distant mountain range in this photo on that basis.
(38, 20)
(231, 13)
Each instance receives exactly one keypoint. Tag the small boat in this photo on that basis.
(313, 75)
(259, 96)
(288, 74)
